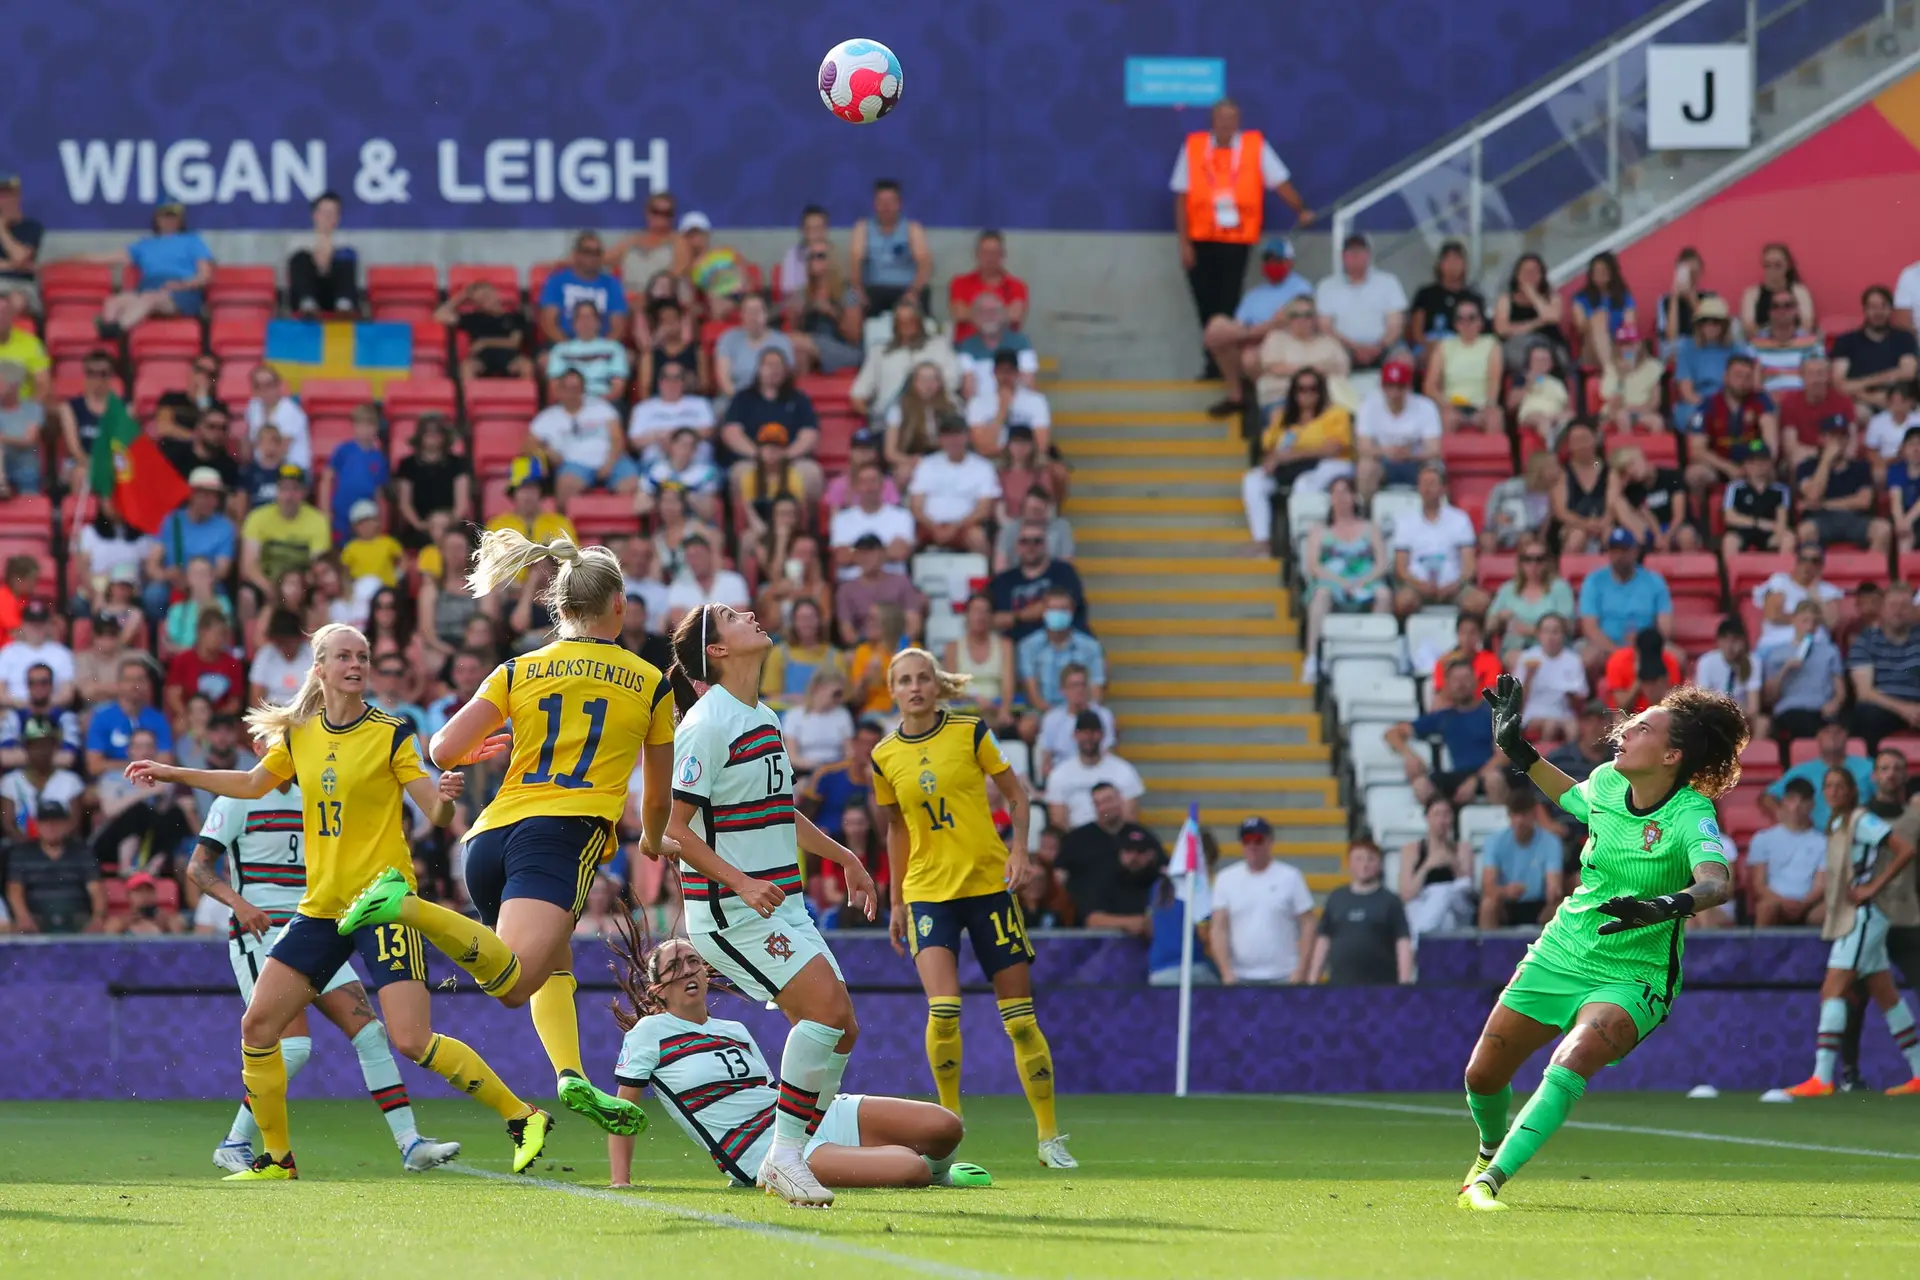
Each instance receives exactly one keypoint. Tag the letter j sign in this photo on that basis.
(1699, 97)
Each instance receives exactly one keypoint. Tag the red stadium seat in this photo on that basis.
(602, 515)
(415, 283)
(235, 385)
(828, 391)
(493, 497)
(1694, 629)
(1740, 813)
(1476, 453)
(1760, 762)
(154, 379)
(1748, 569)
(496, 444)
(26, 514)
(1495, 569)
(163, 337)
(1690, 575)
(430, 345)
(836, 436)
(70, 379)
(328, 431)
(1910, 569)
(505, 278)
(1470, 493)
(327, 397)
(1906, 744)
(238, 336)
(1662, 448)
(1848, 569)
(418, 394)
(242, 290)
(84, 284)
(1575, 568)
(537, 278)
(73, 338)
(1802, 750)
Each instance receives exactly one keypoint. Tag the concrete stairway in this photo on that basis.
(1203, 656)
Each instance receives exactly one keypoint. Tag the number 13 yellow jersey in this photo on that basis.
(580, 709)
(938, 780)
(353, 779)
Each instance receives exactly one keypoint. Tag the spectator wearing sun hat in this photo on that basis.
(1396, 432)
(198, 530)
(372, 553)
(1700, 359)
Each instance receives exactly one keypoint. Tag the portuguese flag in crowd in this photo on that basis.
(128, 465)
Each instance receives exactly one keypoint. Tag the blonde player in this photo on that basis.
(951, 875)
(354, 764)
(262, 844)
(734, 820)
(584, 710)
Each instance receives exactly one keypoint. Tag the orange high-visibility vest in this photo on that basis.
(1212, 172)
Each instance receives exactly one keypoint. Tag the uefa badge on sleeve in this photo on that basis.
(689, 771)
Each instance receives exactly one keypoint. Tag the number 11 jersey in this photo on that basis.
(580, 710)
(730, 764)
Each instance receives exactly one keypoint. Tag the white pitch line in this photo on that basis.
(1690, 1135)
(790, 1235)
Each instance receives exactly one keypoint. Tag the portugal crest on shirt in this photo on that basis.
(1649, 836)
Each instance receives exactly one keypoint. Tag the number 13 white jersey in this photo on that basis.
(716, 1085)
(730, 763)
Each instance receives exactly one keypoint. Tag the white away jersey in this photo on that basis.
(730, 763)
(1869, 833)
(710, 1074)
(264, 847)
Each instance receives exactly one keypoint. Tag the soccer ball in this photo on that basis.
(860, 80)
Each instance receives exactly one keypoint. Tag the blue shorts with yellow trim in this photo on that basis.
(314, 948)
(992, 920)
(551, 859)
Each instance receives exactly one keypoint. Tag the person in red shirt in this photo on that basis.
(210, 668)
(22, 579)
(1470, 646)
(989, 275)
(1729, 420)
(1640, 674)
(1802, 411)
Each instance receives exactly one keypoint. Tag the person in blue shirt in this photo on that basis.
(1462, 721)
(1700, 360)
(357, 472)
(111, 731)
(583, 279)
(1903, 492)
(831, 790)
(175, 266)
(1831, 742)
(1234, 344)
(197, 531)
(1601, 307)
(1522, 876)
(1620, 601)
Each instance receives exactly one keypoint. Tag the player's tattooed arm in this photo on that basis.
(205, 875)
(1711, 886)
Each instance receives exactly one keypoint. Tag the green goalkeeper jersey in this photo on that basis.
(1636, 855)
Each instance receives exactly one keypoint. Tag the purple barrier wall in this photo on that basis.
(160, 1020)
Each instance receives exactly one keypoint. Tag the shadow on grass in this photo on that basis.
(72, 1219)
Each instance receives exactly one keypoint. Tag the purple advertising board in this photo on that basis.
(508, 113)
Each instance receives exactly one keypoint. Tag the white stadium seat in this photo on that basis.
(1390, 504)
(1478, 823)
(1394, 816)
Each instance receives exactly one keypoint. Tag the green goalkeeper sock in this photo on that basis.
(1540, 1119)
(1490, 1115)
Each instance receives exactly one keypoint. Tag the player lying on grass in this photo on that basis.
(721, 1094)
(1864, 857)
(1606, 968)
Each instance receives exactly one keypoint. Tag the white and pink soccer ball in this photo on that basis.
(860, 80)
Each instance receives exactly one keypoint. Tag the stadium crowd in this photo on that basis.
(1604, 498)
(806, 441)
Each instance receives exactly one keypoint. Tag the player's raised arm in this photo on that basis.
(1506, 698)
(248, 784)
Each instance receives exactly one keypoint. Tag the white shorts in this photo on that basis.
(249, 956)
(761, 956)
(839, 1127)
(1864, 949)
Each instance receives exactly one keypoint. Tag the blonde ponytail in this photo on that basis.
(271, 722)
(584, 587)
(947, 684)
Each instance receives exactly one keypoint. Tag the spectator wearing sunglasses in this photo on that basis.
(655, 248)
(584, 279)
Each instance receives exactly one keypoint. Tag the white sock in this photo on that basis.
(294, 1050)
(1826, 1054)
(829, 1088)
(382, 1075)
(805, 1065)
(1905, 1038)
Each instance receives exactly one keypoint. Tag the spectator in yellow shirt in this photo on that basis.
(21, 346)
(289, 534)
(370, 553)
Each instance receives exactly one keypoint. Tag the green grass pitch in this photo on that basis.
(1258, 1187)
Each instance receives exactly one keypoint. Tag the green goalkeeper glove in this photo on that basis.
(1633, 913)
(1506, 698)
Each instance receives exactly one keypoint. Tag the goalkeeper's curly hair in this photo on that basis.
(1709, 730)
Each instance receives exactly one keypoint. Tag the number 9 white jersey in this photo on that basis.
(265, 849)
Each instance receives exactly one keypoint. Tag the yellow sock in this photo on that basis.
(1035, 1060)
(264, 1072)
(466, 942)
(558, 1024)
(469, 1073)
(943, 1048)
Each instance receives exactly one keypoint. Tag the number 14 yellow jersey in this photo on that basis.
(580, 710)
(939, 782)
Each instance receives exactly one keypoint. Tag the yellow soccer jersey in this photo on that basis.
(580, 712)
(353, 777)
(939, 782)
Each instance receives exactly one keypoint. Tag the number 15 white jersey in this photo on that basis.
(730, 763)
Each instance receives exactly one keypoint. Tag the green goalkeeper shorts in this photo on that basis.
(1555, 997)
